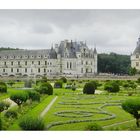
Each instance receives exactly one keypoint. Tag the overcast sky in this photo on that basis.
(111, 30)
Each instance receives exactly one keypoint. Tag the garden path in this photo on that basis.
(48, 107)
(118, 123)
(12, 103)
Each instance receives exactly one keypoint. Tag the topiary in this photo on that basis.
(46, 88)
(19, 98)
(89, 88)
(112, 86)
(63, 79)
(58, 84)
(3, 87)
(95, 127)
(34, 95)
(11, 113)
(95, 84)
(31, 123)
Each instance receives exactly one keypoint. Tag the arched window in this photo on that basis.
(67, 65)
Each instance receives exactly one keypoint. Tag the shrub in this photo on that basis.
(34, 95)
(112, 86)
(3, 87)
(19, 98)
(58, 84)
(28, 84)
(95, 83)
(31, 123)
(132, 106)
(11, 114)
(46, 88)
(89, 88)
(63, 79)
(11, 83)
(138, 80)
(94, 127)
(0, 124)
(4, 106)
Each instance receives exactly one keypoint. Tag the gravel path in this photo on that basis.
(12, 103)
(48, 107)
(118, 123)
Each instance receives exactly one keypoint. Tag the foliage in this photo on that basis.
(0, 124)
(4, 106)
(95, 127)
(31, 123)
(34, 95)
(112, 86)
(45, 88)
(89, 88)
(11, 83)
(132, 71)
(28, 84)
(44, 79)
(113, 63)
(19, 98)
(3, 87)
(64, 79)
(58, 84)
(138, 80)
(132, 106)
(11, 113)
(95, 84)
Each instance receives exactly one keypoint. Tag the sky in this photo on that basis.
(107, 30)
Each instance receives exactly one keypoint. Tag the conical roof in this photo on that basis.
(137, 49)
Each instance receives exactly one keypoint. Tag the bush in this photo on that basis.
(58, 84)
(31, 123)
(11, 114)
(11, 83)
(46, 88)
(94, 126)
(34, 95)
(0, 124)
(95, 83)
(4, 106)
(63, 79)
(112, 86)
(28, 84)
(138, 80)
(19, 98)
(89, 88)
(3, 87)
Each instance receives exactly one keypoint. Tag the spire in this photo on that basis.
(95, 51)
(52, 47)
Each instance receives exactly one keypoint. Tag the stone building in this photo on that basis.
(67, 58)
(135, 57)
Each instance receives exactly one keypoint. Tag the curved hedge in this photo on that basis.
(89, 88)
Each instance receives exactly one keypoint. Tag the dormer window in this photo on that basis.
(137, 56)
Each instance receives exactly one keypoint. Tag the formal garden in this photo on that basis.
(70, 104)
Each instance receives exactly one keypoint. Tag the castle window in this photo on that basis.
(38, 70)
(11, 69)
(32, 62)
(70, 65)
(17, 70)
(86, 62)
(91, 62)
(82, 62)
(3, 70)
(67, 65)
(44, 70)
(4, 63)
(31, 70)
(45, 62)
(12, 63)
(81, 70)
(50, 63)
(137, 64)
(25, 70)
(25, 62)
(38, 62)
(137, 56)
(18, 62)
(50, 70)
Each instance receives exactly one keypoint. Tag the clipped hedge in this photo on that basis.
(63, 79)
(46, 88)
(89, 88)
(34, 95)
(11, 113)
(94, 127)
(4, 105)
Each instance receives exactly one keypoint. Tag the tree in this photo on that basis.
(89, 88)
(132, 106)
(132, 71)
(19, 98)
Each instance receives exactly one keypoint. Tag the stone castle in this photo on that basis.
(67, 58)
